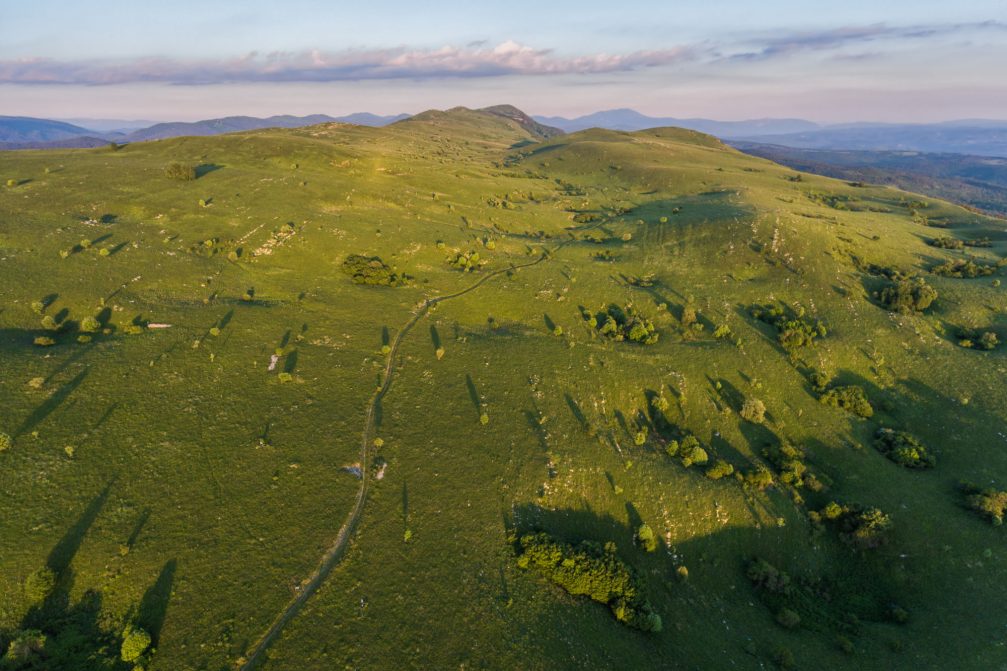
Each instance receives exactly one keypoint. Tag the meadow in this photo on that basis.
(204, 396)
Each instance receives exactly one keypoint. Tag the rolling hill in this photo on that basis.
(459, 392)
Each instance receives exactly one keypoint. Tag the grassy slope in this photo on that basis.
(236, 476)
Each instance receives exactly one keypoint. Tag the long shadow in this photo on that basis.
(290, 362)
(206, 168)
(435, 337)
(50, 404)
(473, 394)
(154, 604)
(65, 550)
(549, 323)
(226, 319)
(112, 251)
(578, 414)
(141, 522)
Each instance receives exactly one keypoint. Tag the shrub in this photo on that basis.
(851, 398)
(784, 658)
(719, 469)
(753, 410)
(858, 526)
(904, 449)
(990, 503)
(180, 172)
(623, 323)
(39, 585)
(787, 618)
(49, 323)
(5, 442)
(987, 340)
(691, 452)
(963, 268)
(371, 270)
(591, 570)
(908, 295)
(135, 642)
(90, 324)
(37, 307)
(44, 341)
(793, 331)
(466, 261)
(646, 538)
(766, 576)
(25, 649)
(759, 479)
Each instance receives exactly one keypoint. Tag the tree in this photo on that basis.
(753, 411)
(89, 324)
(646, 538)
(185, 173)
(135, 642)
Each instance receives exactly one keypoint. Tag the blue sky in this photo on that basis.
(726, 59)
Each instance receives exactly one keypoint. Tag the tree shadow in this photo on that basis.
(435, 337)
(578, 414)
(226, 319)
(290, 362)
(473, 394)
(285, 340)
(154, 604)
(206, 168)
(549, 323)
(386, 337)
(112, 251)
(141, 522)
(50, 404)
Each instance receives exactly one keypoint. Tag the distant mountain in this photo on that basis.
(79, 142)
(106, 126)
(17, 129)
(982, 138)
(528, 123)
(976, 181)
(629, 120)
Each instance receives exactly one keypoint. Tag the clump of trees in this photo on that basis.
(753, 410)
(858, 526)
(591, 570)
(181, 172)
(793, 330)
(689, 451)
(990, 503)
(720, 469)
(623, 323)
(975, 339)
(789, 462)
(371, 270)
(907, 295)
(904, 449)
(851, 398)
(466, 261)
(945, 242)
(963, 268)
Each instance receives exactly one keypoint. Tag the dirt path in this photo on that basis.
(337, 548)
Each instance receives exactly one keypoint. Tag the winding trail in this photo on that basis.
(337, 548)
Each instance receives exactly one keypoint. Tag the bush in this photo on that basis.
(591, 570)
(646, 538)
(25, 650)
(766, 576)
(759, 479)
(990, 503)
(623, 323)
(908, 295)
(90, 324)
(39, 585)
(904, 449)
(691, 452)
(719, 469)
(963, 268)
(44, 341)
(788, 619)
(5, 442)
(466, 261)
(135, 642)
(858, 526)
(850, 398)
(753, 411)
(371, 270)
(793, 331)
(185, 173)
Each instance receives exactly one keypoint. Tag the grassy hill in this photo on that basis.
(303, 399)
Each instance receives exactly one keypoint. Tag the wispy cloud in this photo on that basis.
(474, 60)
(776, 46)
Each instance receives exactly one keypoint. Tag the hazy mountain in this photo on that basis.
(17, 129)
(983, 138)
(106, 126)
(79, 142)
(975, 181)
(629, 120)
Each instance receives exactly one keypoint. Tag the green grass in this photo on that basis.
(225, 485)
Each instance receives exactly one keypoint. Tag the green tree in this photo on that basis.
(135, 642)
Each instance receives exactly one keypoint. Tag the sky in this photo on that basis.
(831, 62)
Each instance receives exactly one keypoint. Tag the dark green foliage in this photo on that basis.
(990, 503)
(25, 651)
(646, 538)
(908, 295)
(690, 451)
(767, 577)
(851, 398)
(975, 339)
(789, 462)
(963, 268)
(624, 323)
(858, 526)
(758, 479)
(793, 330)
(39, 585)
(904, 449)
(788, 619)
(945, 242)
(180, 172)
(719, 469)
(466, 261)
(371, 270)
(590, 570)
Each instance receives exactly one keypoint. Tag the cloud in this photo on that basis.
(837, 38)
(474, 60)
